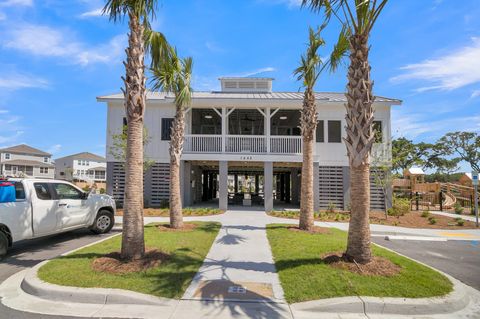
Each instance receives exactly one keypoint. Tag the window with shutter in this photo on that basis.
(166, 128)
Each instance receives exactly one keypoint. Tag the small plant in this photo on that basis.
(432, 220)
(400, 207)
(338, 217)
(458, 208)
(425, 214)
(331, 208)
(102, 191)
(460, 222)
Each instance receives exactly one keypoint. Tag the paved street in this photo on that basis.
(459, 259)
(28, 253)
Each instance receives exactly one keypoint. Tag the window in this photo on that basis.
(320, 132)
(45, 159)
(43, 170)
(66, 191)
(8, 167)
(19, 191)
(7, 156)
(79, 162)
(334, 131)
(42, 191)
(87, 163)
(62, 173)
(378, 131)
(166, 128)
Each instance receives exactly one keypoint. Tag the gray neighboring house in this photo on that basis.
(26, 161)
(83, 166)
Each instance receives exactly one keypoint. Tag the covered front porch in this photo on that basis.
(234, 184)
(266, 130)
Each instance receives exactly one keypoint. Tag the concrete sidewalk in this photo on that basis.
(239, 258)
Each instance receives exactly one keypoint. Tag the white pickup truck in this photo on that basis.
(46, 207)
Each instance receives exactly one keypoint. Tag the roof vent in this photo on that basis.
(246, 85)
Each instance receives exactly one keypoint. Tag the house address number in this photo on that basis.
(246, 158)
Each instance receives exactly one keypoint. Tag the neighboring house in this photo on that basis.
(85, 166)
(26, 161)
(247, 130)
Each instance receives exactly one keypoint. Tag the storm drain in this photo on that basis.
(229, 290)
(237, 290)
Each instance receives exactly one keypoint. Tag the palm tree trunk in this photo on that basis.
(133, 242)
(176, 148)
(359, 143)
(309, 124)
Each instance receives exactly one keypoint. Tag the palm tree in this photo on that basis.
(175, 76)
(308, 72)
(141, 40)
(357, 18)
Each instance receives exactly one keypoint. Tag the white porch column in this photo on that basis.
(267, 127)
(268, 185)
(223, 185)
(224, 128)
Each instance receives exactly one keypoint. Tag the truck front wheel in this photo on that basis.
(3, 244)
(103, 222)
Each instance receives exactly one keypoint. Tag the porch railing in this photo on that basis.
(203, 144)
(246, 144)
(243, 144)
(286, 144)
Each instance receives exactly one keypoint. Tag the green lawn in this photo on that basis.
(170, 279)
(305, 277)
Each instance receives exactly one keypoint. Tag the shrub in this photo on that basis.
(432, 220)
(460, 222)
(425, 214)
(337, 217)
(458, 208)
(164, 203)
(400, 207)
(102, 191)
(331, 208)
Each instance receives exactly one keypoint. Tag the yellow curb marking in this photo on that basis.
(458, 235)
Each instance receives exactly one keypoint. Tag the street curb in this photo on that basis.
(34, 286)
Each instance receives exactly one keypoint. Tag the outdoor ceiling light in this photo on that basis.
(283, 117)
(208, 116)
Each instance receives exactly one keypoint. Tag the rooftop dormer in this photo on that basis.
(239, 84)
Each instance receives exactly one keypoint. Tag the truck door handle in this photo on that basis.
(62, 205)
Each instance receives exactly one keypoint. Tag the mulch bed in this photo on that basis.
(186, 227)
(379, 266)
(112, 263)
(315, 230)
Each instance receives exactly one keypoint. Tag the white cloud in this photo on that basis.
(3, 111)
(92, 13)
(414, 125)
(255, 72)
(15, 81)
(45, 41)
(451, 71)
(54, 149)
(475, 94)
(289, 3)
(11, 138)
(10, 3)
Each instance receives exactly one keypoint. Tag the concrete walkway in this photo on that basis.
(466, 217)
(239, 258)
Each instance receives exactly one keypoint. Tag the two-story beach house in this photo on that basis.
(243, 146)
(83, 166)
(26, 161)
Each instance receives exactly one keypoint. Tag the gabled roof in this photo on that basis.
(298, 96)
(86, 156)
(24, 149)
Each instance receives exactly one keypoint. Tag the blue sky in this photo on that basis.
(56, 56)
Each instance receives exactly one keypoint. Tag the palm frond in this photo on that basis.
(118, 9)
(309, 68)
(340, 50)
(158, 48)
